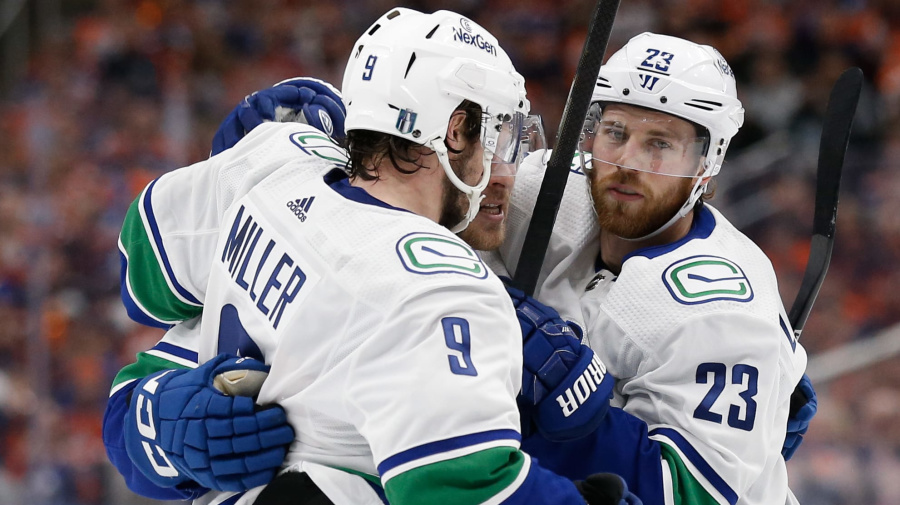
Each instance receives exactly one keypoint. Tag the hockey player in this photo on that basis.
(381, 327)
(681, 306)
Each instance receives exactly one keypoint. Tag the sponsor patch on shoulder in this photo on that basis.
(702, 279)
(428, 253)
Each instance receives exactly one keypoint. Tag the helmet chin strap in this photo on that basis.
(473, 193)
(698, 190)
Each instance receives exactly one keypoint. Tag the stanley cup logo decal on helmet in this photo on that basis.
(406, 120)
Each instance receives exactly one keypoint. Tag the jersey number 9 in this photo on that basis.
(456, 335)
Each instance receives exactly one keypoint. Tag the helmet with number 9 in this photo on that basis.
(409, 72)
(681, 78)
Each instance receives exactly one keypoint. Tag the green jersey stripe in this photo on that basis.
(147, 283)
(371, 478)
(686, 489)
(145, 365)
(452, 481)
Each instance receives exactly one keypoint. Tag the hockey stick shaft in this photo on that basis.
(554, 184)
(832, 148)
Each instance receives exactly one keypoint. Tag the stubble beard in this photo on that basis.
(484, 237)
(455, 203)
(636, 219)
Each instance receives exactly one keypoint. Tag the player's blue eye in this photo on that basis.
(614, 134)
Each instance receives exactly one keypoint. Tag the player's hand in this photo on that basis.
(182, 431)
(606, 489)
(803, 408)
(299, 100)
(565, 387)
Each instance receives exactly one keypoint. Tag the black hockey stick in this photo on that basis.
(547, 205)
(832, 147)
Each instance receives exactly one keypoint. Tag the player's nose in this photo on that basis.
(502, 170)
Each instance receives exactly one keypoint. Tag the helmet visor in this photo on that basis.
(654, 143)
(501, 135)
(531, 138)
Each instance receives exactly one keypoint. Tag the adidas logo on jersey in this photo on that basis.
(301, 207)
(579, 393)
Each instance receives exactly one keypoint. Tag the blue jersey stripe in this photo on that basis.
(157, 238)
(338, 180)
(447, 445)
(697, 460)
(232, 500)
(378, 491)
(174, 350)
(131, 307)
(787, 333)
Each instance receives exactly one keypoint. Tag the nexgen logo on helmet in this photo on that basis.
(464, 35)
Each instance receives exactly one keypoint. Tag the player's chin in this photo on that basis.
(486, 232)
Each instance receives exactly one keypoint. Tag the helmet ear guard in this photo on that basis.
(410, 71)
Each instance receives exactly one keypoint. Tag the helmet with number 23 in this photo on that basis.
(678, 77)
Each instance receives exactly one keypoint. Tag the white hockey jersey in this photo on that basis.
(696, 334)
(395, 352)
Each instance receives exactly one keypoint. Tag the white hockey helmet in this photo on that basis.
(678, 77)
(409, 71)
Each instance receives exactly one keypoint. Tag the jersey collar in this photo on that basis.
(702, 227)
(338, 180)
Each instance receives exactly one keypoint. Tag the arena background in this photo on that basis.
(99, 97)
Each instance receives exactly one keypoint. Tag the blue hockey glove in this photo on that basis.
(803, 408)
(182, 431)
(606, 489)
(565, 388)
(298, 100)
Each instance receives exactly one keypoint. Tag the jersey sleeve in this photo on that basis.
(174, 351)
(171, 225)
(716, 400)
(438, 405)
(171, 229)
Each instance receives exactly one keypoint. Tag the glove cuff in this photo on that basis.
(142, 433)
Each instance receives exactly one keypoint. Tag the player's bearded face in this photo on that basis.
(659, 198)
(488, 230)
(644, 165)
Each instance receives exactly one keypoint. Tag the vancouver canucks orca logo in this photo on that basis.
(428, 253)
(315, 143)
(702, 279)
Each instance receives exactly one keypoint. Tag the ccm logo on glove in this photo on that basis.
(576, 395)
(147, 429)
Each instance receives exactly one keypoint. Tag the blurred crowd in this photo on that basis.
(130, 89)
